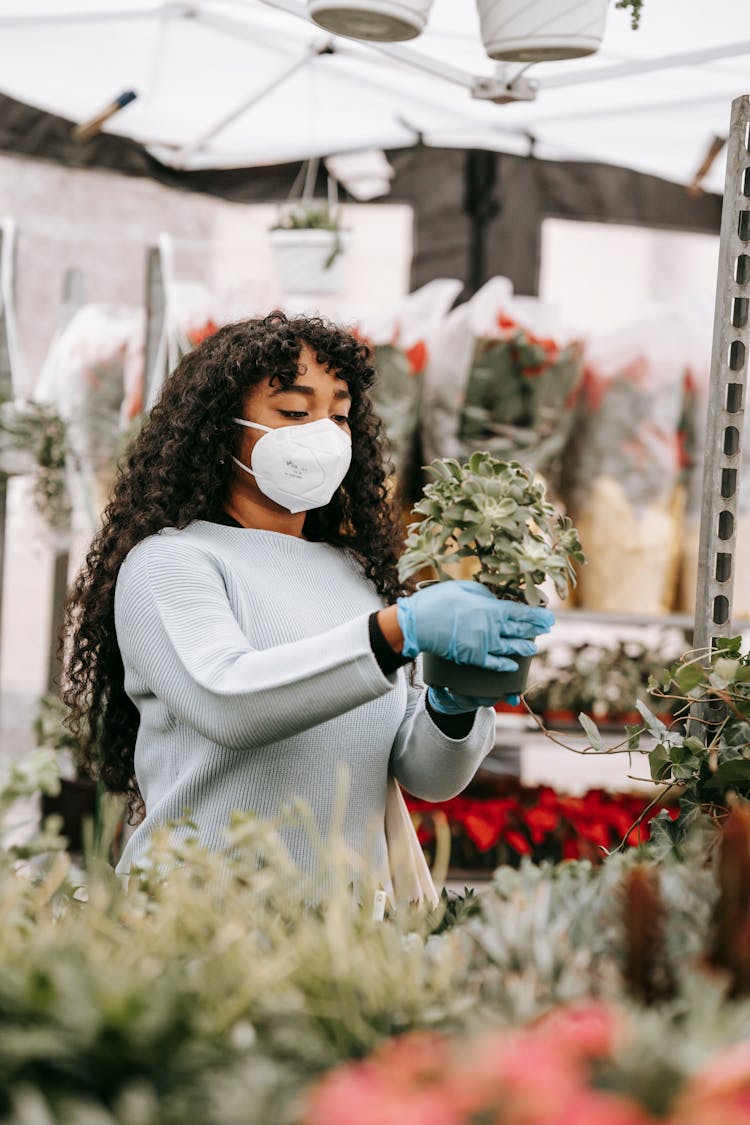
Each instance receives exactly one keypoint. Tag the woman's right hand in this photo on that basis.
(464, 622)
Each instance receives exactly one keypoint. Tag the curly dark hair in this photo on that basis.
(177, 470)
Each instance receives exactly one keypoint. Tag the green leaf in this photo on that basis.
(725, 669)
(728, 773)
(659, 763)
(655, 726)
(634, 737)
(729, 644)
(688, 676)
(592, 732)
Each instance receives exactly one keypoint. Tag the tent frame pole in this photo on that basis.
(227, 119)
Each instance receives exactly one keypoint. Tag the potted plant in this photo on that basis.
(384, 21)
(493, 513)
(309, 245)
(517, 31)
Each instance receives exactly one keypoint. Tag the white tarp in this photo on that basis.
(651, 99)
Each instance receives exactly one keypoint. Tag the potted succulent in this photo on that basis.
(310, 244)
(493, 513)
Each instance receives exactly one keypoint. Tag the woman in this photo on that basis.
(239, 629)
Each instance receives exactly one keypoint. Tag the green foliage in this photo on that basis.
(34, 438)
(494, 512)
(706, 752)
(520, 400)
(636, 11)
(308, 216)
(212, 990)
(602, 680)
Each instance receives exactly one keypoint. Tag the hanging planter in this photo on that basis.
(517, 31)
(310, 260)
(384, 21)
(308, 240)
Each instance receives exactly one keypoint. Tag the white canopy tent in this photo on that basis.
(237, 83)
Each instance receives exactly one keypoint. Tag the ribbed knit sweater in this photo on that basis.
(248, 657)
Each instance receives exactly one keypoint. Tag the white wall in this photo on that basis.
(603, 276)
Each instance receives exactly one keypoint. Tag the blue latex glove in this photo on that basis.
(464, 622)
(451, 703)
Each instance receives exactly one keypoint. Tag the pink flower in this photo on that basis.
(588, 1030)
(719, 1094)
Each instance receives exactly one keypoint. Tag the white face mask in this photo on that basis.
(300, 467)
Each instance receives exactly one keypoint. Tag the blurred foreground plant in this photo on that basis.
(211, 990)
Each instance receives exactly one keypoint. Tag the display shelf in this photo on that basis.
(608, 617)
(522, 750)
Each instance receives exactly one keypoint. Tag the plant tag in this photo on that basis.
(378, 906)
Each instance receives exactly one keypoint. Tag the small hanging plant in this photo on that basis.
(636, 10)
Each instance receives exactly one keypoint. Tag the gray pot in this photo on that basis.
(470, 679)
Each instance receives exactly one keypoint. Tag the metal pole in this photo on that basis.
(72, 299)
(726, 399)
(155, 316)
(7, 250)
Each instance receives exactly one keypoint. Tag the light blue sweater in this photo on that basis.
(248, 657)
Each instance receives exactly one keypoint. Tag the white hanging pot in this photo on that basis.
(310, 261)
(385, 21)
(539, 30)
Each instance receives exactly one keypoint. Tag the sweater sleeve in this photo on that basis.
(429, 763)
(179, 637)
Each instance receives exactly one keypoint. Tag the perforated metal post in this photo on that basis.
(727, 389)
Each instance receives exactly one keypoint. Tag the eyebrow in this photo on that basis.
(297, 387)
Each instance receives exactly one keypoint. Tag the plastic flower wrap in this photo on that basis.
(624, 467)
(401, 342)
(502, 377)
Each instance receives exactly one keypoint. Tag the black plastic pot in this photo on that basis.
(469, 679)
(75, 803)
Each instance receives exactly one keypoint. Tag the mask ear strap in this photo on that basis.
(242, 465)
(251, 425)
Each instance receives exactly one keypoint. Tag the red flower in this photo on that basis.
(417, 356)
(196, 336)
(518, 842)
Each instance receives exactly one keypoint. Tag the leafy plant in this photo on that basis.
(709, 756)
(35, 431)
(308, 216)
(495, 513)
(602, 680)
(521, 396)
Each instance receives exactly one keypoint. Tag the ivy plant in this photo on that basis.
(495, 513)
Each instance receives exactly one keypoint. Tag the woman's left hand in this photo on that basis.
(450, 703)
